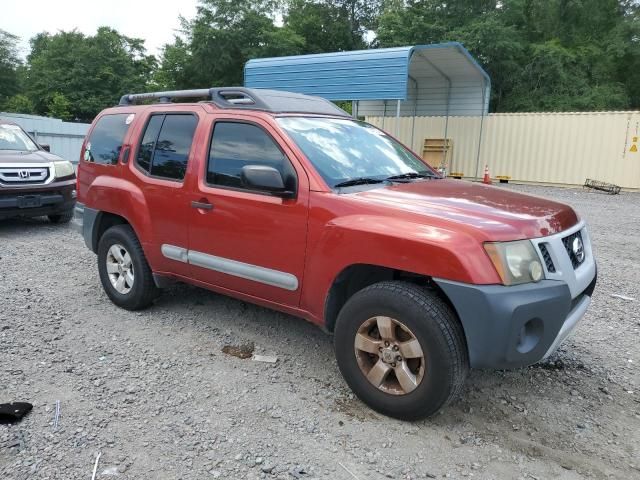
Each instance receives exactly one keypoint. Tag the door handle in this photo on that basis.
(202, 205)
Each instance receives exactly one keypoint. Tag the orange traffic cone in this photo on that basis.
(487, 178)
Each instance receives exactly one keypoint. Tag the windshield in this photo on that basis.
(343, 150)
(12, 137)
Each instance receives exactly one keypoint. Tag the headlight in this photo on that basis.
(63, 169)
(515, 262)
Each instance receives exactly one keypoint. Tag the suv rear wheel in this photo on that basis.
(124, 271)
(401, 350)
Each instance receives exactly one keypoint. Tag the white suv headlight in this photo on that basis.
(515, 262)
(63, 169)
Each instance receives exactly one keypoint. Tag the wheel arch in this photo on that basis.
(104, 221)
(356, 277)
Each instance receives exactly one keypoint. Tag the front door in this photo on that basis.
(245, 240)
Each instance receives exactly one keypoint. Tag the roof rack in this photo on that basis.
(274, 101)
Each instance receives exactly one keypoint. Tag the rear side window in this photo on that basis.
(106, 139)
(235, 145)
(165, 145)
(148, 143)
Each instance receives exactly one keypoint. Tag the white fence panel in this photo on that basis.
(553, 148)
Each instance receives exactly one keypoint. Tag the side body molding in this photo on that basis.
(248, 271)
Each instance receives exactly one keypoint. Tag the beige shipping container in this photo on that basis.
(549, 148)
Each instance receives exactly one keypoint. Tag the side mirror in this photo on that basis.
(259, 177)
(46, 147)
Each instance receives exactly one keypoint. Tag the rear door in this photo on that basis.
(165, 148)
(245, 240)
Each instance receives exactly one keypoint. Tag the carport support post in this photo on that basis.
(445, 148)
(398, 119)
(415, 111)
(384, 113)
(484, 93)
(413, 122)
(354, 109)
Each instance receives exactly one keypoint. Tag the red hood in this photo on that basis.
(499, 213)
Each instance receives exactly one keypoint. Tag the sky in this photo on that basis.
(155, 21)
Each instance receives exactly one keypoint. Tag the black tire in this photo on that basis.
(143, 291)
(433, 324)
(64, 217)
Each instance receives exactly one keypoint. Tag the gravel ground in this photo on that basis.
(154, 393)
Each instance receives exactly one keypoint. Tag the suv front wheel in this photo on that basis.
(401, 349)
(124, 271)
(64, 217)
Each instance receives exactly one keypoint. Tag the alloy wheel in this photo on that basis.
(389, 355)
(120, 269)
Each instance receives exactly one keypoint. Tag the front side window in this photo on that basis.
(12, 137)
(236, 145)
(106, 139)
(342, 150)
(165, 145)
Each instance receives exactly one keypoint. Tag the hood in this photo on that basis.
(38, 156)
(500, 213)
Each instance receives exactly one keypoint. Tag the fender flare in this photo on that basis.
(116, 196)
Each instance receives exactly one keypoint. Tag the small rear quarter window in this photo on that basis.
(106, 139)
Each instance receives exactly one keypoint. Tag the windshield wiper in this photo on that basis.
(410, 176)
(358, 181)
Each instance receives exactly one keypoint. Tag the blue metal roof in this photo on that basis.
(437, 78)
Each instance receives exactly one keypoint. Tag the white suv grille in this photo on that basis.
(17, 175)
(560, 262)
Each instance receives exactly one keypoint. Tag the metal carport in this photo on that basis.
(421, 80)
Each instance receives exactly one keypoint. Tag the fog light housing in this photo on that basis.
(530, 335)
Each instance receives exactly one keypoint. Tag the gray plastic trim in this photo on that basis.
(175, 253)
(255, 273)
(84, 220)
(569, 324)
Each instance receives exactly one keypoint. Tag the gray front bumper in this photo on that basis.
(509, 327)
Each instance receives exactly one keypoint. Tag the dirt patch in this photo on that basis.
(240, 351)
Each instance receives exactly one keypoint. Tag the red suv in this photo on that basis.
(283, 200)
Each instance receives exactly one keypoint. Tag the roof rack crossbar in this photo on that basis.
(219, 96)
(132, 98)
(243, 98)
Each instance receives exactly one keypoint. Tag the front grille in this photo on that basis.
(551, 268)
(23, 176)
(568, 243)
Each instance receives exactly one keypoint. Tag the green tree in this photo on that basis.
(90, 72)
(9, 66)
(19, 104)
(175, 64)
(223, 36)
(332, 25)
(540, 54)
(59, 107)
